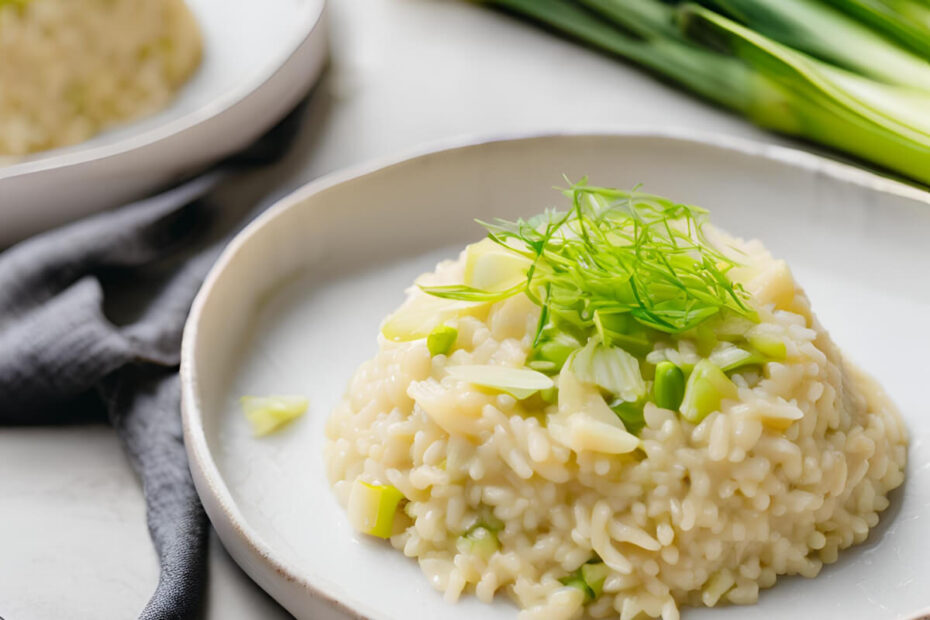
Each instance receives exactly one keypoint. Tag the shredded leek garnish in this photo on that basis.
(615, 256)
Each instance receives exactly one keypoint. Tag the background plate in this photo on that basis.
(294, 304)
(259, 59)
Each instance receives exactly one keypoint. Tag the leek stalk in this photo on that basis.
(850, 74)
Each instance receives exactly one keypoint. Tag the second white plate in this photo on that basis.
(294, 305)
(259, 59)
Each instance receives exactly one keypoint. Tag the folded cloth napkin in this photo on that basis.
(63, 360)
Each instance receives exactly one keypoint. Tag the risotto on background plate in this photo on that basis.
(613, 410)
(73, 67)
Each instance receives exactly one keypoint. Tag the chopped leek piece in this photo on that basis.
(610, 368)
(589, 578)
(585, 422)
(622, 331)
(490, 521)
(583, 399)
(669, 386)
(269, 413)
(518, 382)
(594, 575)
(372, 508)
(550, 354)
(480, 541)
(575, 580)
(732, 358)
(631, 414)
(491, 267)
(707, 387)
(421, 314)
(586, 433)
(441, 340)
(770, 346)
(705, 338)
(550, 396)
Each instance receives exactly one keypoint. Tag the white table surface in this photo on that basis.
(73, 538)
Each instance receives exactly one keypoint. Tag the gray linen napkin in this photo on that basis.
(63, 360)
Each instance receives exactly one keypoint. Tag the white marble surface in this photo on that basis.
(73, 539)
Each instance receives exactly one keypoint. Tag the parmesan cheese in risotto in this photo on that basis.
(613, 411)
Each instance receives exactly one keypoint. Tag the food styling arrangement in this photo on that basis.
(611, 397)
(614, 407)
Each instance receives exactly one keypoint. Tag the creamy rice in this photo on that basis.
(702, 515)
(72, 67)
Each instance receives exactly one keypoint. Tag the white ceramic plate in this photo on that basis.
(293, 306)
(259, 59)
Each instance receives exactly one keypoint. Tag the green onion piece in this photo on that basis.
(732, 358)
(622, 331)
(441, 340)
(767, 345)
(706, 388)
(520, 383)
(372, 508)
(421, 314)
(594, 574)
(669, 386)
(491, 267)
(705, 339)
(610, 368)
(631, 414)
(480, 541)
(267, 414)
(549, 396)
(575, 580)
(550, 353)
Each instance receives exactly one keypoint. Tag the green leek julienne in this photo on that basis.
(620, 265)
(860, 107)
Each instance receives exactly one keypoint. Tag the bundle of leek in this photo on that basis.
(850, 74)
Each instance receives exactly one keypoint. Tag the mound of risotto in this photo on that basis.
(613, 411)
(73, 67)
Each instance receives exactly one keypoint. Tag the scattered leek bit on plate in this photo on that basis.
(520, 383)
(441, 340)
(706, 388)
(372, 508)
(269, 413)
(480, 540)
(851, 74)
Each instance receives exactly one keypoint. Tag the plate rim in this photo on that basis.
(204, 469)
(313, 18)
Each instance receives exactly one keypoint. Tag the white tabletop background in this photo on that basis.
(405, 73)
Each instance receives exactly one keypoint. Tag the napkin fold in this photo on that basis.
(64, 359)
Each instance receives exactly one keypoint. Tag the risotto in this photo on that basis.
(73, 67)
(612, 411)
